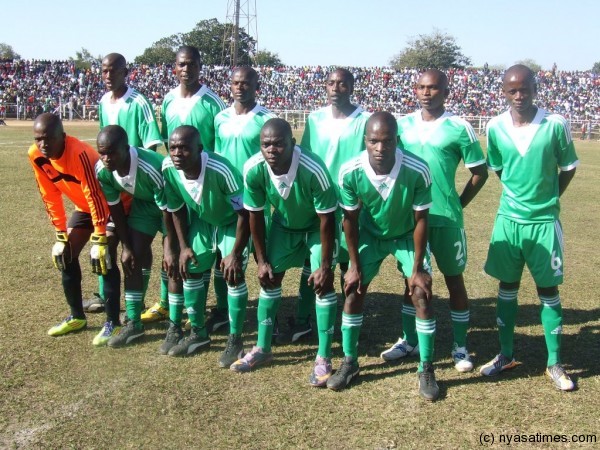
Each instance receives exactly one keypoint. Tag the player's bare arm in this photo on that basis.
(353, 278)
(186, 254)
(266, 277)
(232, 264)
(420, 278)
(322, 278)
(564, 178)
(479, 175)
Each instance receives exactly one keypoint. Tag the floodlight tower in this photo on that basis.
(240, 13)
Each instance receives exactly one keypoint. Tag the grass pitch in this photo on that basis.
(63, 393)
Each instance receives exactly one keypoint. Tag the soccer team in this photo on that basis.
(358, 188)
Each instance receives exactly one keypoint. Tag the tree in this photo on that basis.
(596, 68)
(436, 50)
(7, 52)
(266, 58)
(84, 59)
(532, 64)
(161, 52)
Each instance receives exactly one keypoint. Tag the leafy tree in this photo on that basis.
(532, 64)
(596, 67)
(162, 51)
(7, 52)
(266, 58)
(84, 59)
(435, 50)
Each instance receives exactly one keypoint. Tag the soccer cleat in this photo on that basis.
(400, 349)
(462, 359)
(95, 304)
(295, 332)
(174, 335)
(155, 313)
(127, 334)
(560, 378)
(344, 375)
(233, 351)
(68, 325)
(321, 372)
(216, 319)
(191, 344)
(497, 365)
(428, 387)
(255, 358)
(108, 330)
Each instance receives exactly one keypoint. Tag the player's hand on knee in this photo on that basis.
(186, 255)
(420, 279)
(233, 269)
(61, 250)
(321, 280)
(99, 254)
(266, 278)
(127, 261)
(352, 281)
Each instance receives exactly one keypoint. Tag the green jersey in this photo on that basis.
(442, 143)
(529, 158)
(134, 114)
(237, 136)
(387, 202)
(214, 197)
(199, 111)
(144, 180)
(297, 196)
(335, 141)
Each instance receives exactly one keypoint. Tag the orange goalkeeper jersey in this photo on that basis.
(72, 175)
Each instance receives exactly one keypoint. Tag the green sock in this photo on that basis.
(506, 312)
(220, 290)
(145, 282)
(237, 297)
(133, 306)
(460, 326)
(193, 299)
(164, 290)
(306, 298)
(552, 322)
(326, 308)
(351, 325)
(408, 324)
(268, 304)
(101, 287)
(206, 278)
(426, 336)
(175, 308)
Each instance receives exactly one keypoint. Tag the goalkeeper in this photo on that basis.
(64, 165)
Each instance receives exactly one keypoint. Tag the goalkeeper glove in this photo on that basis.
(61, 251)
(99, 255)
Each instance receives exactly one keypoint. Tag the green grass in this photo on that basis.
(62, 393)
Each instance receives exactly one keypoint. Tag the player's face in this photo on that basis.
(277, 148)
(243, 87)
(431, 92)
(381, 142)
(113, 75)
(184, 151)
(187, 69)
(519, 92)
(113, 156)
(338, 88)
(51, 142)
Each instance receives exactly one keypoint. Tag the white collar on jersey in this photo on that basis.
(128, 181)
(238, 121)
(195, 187)
(426, 129)
(522, 136)
(199, 93)
(383, 184)
(283, 183)
(112, 107)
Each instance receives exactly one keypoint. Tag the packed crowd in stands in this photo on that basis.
(41, 86)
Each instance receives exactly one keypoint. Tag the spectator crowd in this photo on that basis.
(40, 86)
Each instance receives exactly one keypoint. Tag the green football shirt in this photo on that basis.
(442, 143)
(529, 158)
(144, 180)
(214, 197)
(387, 202)
(199, 111)
(134, 113)
(237, 136)
(297, 196)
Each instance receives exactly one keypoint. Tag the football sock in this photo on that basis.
(408, 324)
(426, 336)
(175, 308)
(193, 299)
(551, 312)
(164, 290)
(133, 306)
(351, 325)
(506, 315)
(268, 304)
(237, 298)
(460, 326)
(220, 290)
(306, 298)
(71, 281)
(326, 308)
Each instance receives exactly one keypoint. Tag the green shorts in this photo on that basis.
(145, 217)
(205, 239)
(372, 251)
(539, 245)
(449, 247)
(286, 249)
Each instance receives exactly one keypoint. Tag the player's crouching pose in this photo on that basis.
(64, 165)
(304, 199)
(388, 191)
(204, 194)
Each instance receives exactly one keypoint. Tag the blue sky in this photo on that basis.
(311, 32)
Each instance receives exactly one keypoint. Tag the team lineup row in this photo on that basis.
(358, 188)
